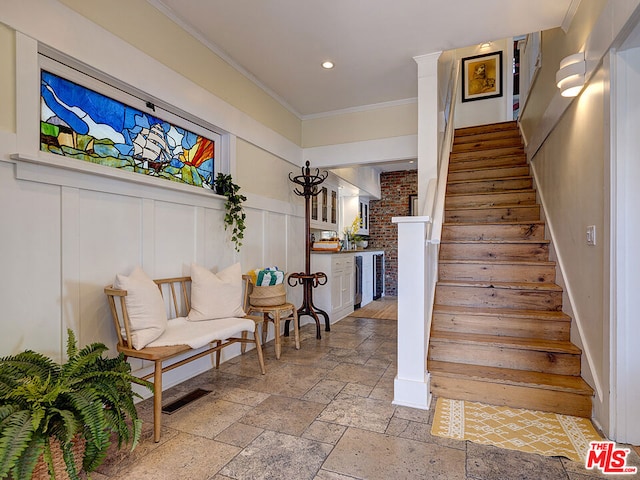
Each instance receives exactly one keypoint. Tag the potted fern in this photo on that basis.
(234, 213)
(86, 400)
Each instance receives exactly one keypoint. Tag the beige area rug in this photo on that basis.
(529, 431)
(385, 308)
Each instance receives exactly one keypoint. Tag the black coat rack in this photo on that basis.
(308, 183)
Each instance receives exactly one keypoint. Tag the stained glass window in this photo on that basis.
(81, 123)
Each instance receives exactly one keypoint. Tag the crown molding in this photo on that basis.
(568, 17)
(199, 36)
(361, 108)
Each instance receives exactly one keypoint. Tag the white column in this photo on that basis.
(427, 123)
(411, 385)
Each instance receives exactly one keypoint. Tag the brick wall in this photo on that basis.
(395, 189)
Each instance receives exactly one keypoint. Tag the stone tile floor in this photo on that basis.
(323, 412)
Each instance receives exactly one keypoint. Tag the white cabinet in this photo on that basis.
(336, 296)
(352, 206)
(324, 208)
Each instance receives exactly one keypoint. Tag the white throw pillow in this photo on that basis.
(216, 295)
(147, 313)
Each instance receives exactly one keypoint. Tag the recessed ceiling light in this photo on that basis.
(328, 65)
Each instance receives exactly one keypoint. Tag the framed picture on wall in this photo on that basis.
(482, 76)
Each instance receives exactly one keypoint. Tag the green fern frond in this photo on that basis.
(39, 399)
(84, 360)
(72, 347)
(69, 460)
(27, 364)
(92, 412)
(27, 461)
(14, 439)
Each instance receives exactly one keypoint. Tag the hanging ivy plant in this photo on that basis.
(234, 213)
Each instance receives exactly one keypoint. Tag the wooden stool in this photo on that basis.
(276, 314)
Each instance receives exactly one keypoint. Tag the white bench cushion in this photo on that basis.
(180, 331)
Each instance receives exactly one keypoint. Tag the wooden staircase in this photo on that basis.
(498, 334)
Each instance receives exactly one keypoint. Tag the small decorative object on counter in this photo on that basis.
(350, 234)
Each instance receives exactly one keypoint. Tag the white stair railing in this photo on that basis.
(418, 251)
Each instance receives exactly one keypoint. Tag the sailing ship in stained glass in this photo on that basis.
(80, 123)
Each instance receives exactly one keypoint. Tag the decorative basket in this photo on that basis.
(268, 295)
(41, 471)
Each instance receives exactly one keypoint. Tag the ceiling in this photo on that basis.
(280, 44)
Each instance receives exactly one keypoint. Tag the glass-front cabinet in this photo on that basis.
(324, 208)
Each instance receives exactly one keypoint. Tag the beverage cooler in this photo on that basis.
(378, 275)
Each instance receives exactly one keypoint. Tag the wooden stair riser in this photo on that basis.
(482, 137)
(479, 145)
(492, 185)
(524, 197)
(536, 251)
(482, 173)
(491, 162)
(513, 213)
(524, 231)
(487, 297)
(513, 358)
(488, 128)
(515, 396)
(492, 272)
(510, 326)
(486, 153)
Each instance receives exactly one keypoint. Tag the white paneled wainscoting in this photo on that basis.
(68, 231)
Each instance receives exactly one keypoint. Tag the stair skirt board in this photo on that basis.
(498, 333)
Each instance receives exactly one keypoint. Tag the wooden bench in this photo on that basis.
(178, 289)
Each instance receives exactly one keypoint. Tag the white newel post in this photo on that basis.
(411, 385)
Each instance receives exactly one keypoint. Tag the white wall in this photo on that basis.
(491, 110)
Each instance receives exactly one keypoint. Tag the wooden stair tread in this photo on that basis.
(541, 315)
(510, 222)
(494, 179)
(488, 168)
(486, 144)
(517, 263)
(520, 343)
(562, 383)
(485, 207)
(489, 127)
(549, 287)
(498, 242)
(510, 192)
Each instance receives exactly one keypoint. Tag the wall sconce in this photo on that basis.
(570, 77)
